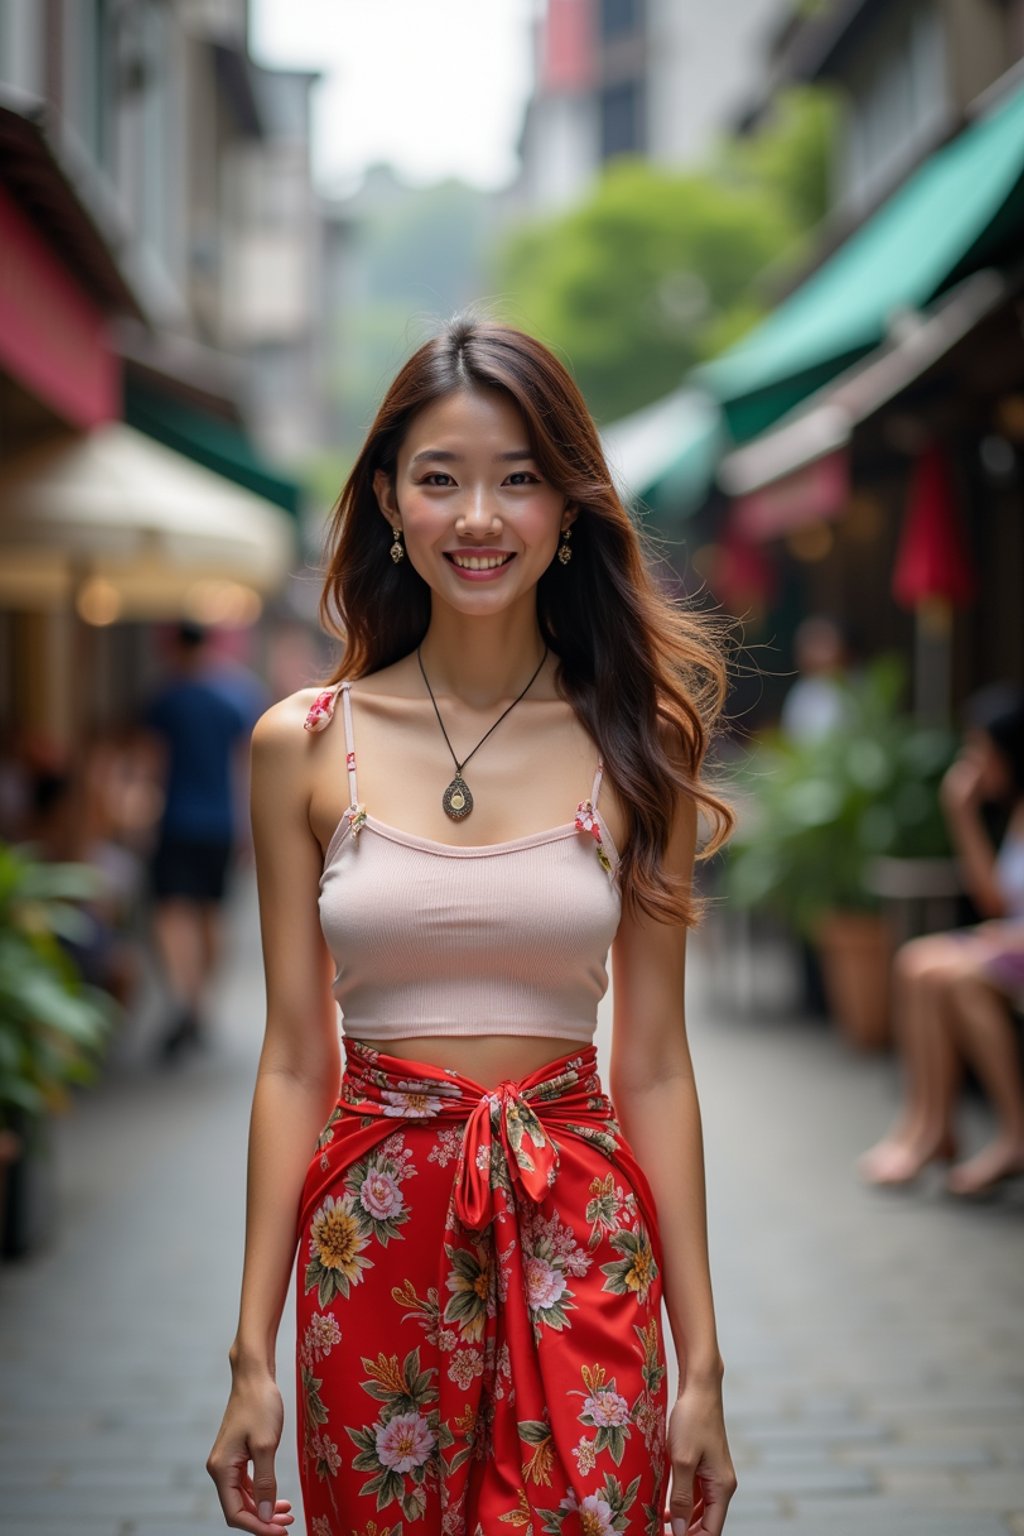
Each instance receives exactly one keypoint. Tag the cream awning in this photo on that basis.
(115, 507)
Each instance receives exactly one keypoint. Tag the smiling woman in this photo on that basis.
(484, 1236)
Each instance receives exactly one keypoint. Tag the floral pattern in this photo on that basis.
(451, 1242)
(321, 710)
(587, 820)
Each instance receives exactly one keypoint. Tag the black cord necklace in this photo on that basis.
(457, 800)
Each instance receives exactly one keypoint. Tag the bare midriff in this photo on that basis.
(486, 1059)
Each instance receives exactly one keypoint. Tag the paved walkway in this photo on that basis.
(874, 1342)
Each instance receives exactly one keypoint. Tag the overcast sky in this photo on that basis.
(437, 87)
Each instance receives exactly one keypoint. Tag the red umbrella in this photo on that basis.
(933, 560)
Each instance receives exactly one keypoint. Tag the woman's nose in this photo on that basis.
(478, 513)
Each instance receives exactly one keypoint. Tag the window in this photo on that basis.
(620, 17)
(898, 101)
(622, 120)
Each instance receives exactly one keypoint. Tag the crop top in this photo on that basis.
(428, 938)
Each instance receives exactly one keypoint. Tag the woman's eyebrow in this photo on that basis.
(514, 455)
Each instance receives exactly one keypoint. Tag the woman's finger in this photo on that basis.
(716, 1492)
(264, 1482)
(234, 1490)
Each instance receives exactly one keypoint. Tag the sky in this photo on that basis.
(436, 87)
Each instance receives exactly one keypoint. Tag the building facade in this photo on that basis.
(877, 416)
(656, 78)
(158, 293)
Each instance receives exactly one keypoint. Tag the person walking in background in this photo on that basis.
(479, 1239)
(200, 722)
(816, 701)
(954, 990)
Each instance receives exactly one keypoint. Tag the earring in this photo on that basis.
(564, 549)
(397, 552)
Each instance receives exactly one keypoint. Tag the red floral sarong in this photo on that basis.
(478, 1293)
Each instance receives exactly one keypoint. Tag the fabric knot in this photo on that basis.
(504, 1143)
(321, 710)
(587, 820)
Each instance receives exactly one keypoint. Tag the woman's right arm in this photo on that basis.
(296, 1087)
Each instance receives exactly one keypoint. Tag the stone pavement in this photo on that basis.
(874, 1342)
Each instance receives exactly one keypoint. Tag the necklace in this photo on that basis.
(457, 801)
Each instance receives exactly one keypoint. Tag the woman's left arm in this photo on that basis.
(655, 1096)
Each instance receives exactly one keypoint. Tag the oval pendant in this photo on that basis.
(457, 800)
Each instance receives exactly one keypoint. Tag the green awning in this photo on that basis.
(215, 444)
(961, 210)
(665, 455)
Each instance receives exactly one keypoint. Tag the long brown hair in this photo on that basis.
(643, 672)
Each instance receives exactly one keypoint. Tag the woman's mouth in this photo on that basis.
(479, 567)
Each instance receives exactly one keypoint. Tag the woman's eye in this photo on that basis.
(523, 477)
(435, 477)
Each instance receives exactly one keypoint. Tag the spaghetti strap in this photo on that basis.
(596, 787)
(350, 751)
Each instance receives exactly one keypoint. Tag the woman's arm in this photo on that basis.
(960, 794)
(296, 1085)
(655, 1095)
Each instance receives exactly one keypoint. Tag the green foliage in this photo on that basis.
(792, 155)
(52, 1025)
(657, 269)
(817, 813)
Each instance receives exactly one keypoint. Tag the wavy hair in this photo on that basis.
(645, 673)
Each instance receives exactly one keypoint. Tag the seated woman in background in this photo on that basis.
(954, 991)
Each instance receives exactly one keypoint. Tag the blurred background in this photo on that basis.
(780, 243)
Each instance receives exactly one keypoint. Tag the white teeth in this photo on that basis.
(479, 562)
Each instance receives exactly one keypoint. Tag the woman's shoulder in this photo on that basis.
(286, 724)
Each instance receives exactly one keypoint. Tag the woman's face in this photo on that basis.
(479, 521)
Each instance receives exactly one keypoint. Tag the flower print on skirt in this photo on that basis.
(478, 1289)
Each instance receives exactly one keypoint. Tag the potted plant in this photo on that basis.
(815, 819)
(52, 1024)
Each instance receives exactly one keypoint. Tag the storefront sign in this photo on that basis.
(813, 492)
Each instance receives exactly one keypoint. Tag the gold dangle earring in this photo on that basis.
(397, 552)
(564, 549)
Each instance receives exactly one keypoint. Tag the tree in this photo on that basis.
(656, 267)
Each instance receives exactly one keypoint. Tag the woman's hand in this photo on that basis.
(960, 789)
(250, 1431)
(703, 1477)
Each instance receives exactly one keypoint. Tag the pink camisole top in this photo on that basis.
(428, 938)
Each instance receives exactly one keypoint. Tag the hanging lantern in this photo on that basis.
(933, 564)
(934, 574)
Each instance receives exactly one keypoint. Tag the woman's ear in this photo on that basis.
(384, 490)
(570, 512)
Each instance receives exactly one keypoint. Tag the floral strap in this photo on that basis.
(587, 819)
(320, 713)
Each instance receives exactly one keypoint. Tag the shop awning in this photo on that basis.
(216, 444)
(961, 210)
(664, 456)
(826, 421)
(113, 504)
(50, 191)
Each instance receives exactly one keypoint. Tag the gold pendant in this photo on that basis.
(457, 800)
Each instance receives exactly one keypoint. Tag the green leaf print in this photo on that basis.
(636, 1272)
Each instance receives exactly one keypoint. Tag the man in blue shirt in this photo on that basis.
(202, 719)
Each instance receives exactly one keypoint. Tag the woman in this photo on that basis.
(482, 1251)
(953, 990)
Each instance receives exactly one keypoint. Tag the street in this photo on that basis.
(874, 1341)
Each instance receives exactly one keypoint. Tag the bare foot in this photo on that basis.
(1001, 1159)
(899, 1160)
